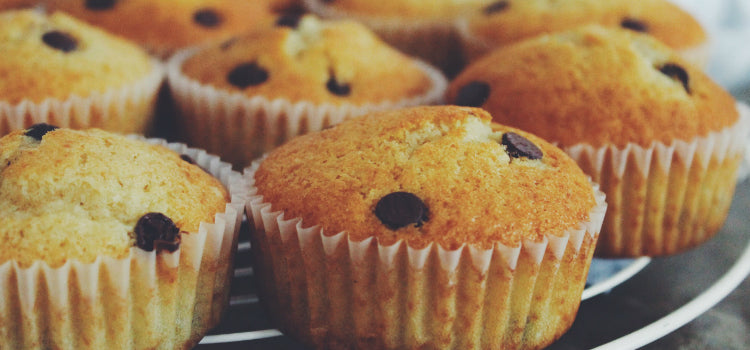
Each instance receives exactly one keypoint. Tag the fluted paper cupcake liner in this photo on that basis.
(431, 39)
(241, 128)
(125, 109)
(665, 199)
(474, 47)
(147, 300)
(330, 291)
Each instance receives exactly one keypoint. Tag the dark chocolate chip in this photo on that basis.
(187, 158)
(676, 72)
(288, 20)
(157, 231)
(401, 209)
(38, 131)
(337, 88)
(100, 5)
(634, 24)
(496, 7)
(247, 74)
(207, 17)
(518, 146)
(473, 94)
(60, 41)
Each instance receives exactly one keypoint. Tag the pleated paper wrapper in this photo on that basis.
(665, 199)
(331, 292)
(241, 128)
(147, 300)
(126, 109)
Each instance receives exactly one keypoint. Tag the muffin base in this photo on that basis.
(665, 199)
(330, 292)
(147, 300)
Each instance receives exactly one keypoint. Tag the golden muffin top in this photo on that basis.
(79, 194)
(597, 86)
(431, 174)
(505, 21)
(307, 59)
(165, 26)
(56, 56)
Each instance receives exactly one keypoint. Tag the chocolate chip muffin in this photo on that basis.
(662, 139)
(424, 227)
(245, 96)
(58, 70)
(506, 21)
(425, 29)
(165, 26)
(112, 242)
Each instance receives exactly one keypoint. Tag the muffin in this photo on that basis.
(243, 97)
(424, 227)
(662, 139)
(425, 29)
(504, 22)
(165, 26)
(112, 242)
(60, 71)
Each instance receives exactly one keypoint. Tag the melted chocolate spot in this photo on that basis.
(247, 74)
(60, 41)
(290, 20)
(100, 5)
(207, 17)
(38, 131)
(634, 24)
(473, 94)
(157, 231)
(676, 72)
(401, 209)
(496, 7)
(518, 146)
(337, 88)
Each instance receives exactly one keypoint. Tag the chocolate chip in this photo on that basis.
(518, 146)
(401, 209)
(337, 88)
(38, 131)
(207, 17)
(99, 5)
(676, 72)
(473, 94)
(157, 231)
(495, 7)
(634, 24)
(290, 20)
(247, 74)
(60, 41)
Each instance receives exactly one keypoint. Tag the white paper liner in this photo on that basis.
(325, 289)
(125, 109)
(241, 128)
(641, 184)
(146, 300)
